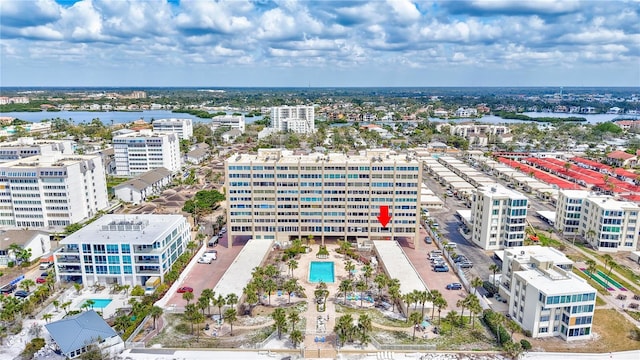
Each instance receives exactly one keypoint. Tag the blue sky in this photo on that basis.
(319, 43)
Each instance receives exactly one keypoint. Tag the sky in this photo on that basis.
(328, 43)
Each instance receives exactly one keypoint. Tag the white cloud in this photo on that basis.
(405, 10)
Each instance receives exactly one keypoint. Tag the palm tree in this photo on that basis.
(290, 286)
(90, 303)
(191, 312)
(380, 281)
(294, 317)
(349, 267)
(65, 306)
(499, 321)
(220, 302)
(280, 318)
(210, 295)
(476, 283)
(367, 271)
(462, 303)
(251, 295)
(292, 264)
(155, 312)
(78, 287)
(47, 317)
(26, 284)
(494, 268)
(440, 303)
(202, 303)
(122, 323)
(608, 263)
(296, 338)
(414, 319)
(433, 295)
(270, 286)
(56, 303)
(344, 328)
(232, 299)
(475, 308)
(365, 324)
(361, 286)
(567, 166)
(188, 296)
(394, 293)
(422, 297)
(591, 267)
(344, 287)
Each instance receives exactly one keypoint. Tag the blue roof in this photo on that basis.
(79, 330)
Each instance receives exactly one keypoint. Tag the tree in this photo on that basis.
(78, 288)
(56, 303)
(433, 295)
(294, 317)
(474, 308)
(361, 286)
(380, 281)
(65, 306)
(440, 303)
(296, 338)
(280, 319)
(422, 297)
(210, 295)
(270, 286)
(512, 326)
(349, 267)
(394, 293)
(155, 313)
(367, 271)
(232, 299)
(499, 320)
(231, 316)
(191, 313)
(415, 319)
(26, 284)
(202, 303)
(462, 303)
(344, 328)
(292, 264)
(290, 286)
(365, 324)
(345, 287)
(220, 302)
(47, 317)
(608, 263)
(494, 268)
(514, 350)
(566, 166)
(476, 283)
(591, 267)
(122, 323)
(188, 296)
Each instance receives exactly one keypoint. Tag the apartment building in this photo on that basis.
(498, 215)
(297, 119)
(28, 146)
(544, 296)
(278, 195)
(182, 127)
(51, 191)
(232, 121)
(144, 150)
(605, 223)
(123, 249)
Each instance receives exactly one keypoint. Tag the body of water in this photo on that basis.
(321, 271)
(118, 117)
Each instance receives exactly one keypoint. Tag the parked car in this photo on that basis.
(205, 260)
(452, 245)
(465, 264)
(8, 289)
(41, 280)
(441, 268)
(185, 289)
(454, 286)
(439, 263)
(428, 240)
(21, 294)
(45, 274)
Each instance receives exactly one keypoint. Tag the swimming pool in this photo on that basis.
(98, 303)
(321, 271)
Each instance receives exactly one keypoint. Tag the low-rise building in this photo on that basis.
(622, 159)
(197, 156)
(544, 296)
(231, 121)
(143, 186)
(122, 249)
(76, 334)
(36, 242)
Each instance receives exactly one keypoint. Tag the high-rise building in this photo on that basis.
(278, 195)
(544, 296)
(605, 223)
(51, 191)
(297, 119)
(182, 127)
(498, 216)
(123, 249)
(139, 152)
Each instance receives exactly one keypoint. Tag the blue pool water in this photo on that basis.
(321, 271)
(100, 303)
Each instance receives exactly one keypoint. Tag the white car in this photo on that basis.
(205, 260)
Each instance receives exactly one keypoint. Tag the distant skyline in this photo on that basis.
(289, 43)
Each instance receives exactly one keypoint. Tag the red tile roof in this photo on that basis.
(620, 155)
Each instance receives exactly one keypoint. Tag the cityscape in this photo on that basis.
(319, 180)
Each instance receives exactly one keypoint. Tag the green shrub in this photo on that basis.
(492, 289)
(491, 319)
(137, 291)
(11, 264)
(32, 347)
(525, 344)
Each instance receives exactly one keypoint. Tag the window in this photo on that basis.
(128, 269)
(543, 330)
(112, 249)
(113, 259)
(114, 270)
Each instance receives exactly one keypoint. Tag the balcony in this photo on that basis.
(147, 261)
(69, 250)
(68, 259)
(148, 271)
(145, 250)
(69, 270)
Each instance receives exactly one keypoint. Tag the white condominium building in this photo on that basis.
(123, 249)
(544, 296)
(278, 195)
(27, 146)
(232, 121)
(51, 191)
(605, 223)
(139, 152)
(498, 216)
(182, 127)
(297, 119)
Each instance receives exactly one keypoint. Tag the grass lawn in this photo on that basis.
(376, 316)
(601, 290)
(634, 314)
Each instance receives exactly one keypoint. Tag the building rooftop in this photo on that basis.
(526, 253)
(37, 161)
(575, 194)
(19, 237)
(398, 266)
(171, 120)
(382, 156)
(116, 229)
(557, 283)
(609, 203)
(499, 190)
(79, 330)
